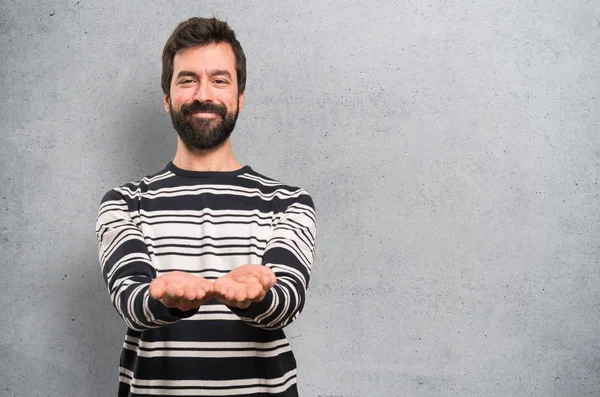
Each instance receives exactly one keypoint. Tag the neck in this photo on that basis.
(219, 159)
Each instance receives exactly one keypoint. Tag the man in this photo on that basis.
(207, 260)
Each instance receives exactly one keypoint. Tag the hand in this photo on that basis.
(243, 285)
(181, 290)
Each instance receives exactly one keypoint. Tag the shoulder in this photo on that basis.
(285, 194)
(132, 190)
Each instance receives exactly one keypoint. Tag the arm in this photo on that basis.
(289, 254)
(130, 276)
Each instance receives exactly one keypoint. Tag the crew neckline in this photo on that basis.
(204, 174)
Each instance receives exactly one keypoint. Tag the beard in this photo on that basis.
(203, 133)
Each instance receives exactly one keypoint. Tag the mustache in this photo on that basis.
(196, 106)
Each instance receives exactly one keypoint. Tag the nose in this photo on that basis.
(204, 93)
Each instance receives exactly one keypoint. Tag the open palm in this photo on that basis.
(181, 290)
(244, 285)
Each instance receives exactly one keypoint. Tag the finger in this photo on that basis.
(200, 292)
(251, 293)
(156, 292)
(260, 297)
(222, 292)
(168, 302)
(240, 295)
(220, 288)
(231, 293)
(254, 290)
(189, 292)
(228, 302)
(267, 272)
(157, 288)
(196, 303)
(267, 281)
(244, 304)
(173, 292)
(207, 286)
(185, 305)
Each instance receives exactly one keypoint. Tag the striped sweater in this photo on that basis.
(206, 223)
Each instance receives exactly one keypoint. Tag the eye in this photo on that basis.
(221, 81)
(186, 81)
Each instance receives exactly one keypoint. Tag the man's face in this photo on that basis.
(204, 101)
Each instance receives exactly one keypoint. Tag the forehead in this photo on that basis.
(211, 56)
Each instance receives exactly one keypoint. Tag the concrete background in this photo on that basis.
(452, 150)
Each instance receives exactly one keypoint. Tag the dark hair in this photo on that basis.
(196, 32)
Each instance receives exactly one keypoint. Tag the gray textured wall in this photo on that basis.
(453, 152)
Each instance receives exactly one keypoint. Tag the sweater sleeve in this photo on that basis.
(127, 268)
(290, 254)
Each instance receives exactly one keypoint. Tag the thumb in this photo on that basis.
(157, 288)
(267, 281)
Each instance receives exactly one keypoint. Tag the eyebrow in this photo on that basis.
(211, 73)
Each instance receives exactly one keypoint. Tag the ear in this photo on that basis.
(166, 103)
(241, 102)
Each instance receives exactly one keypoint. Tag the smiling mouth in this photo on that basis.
(205, 115)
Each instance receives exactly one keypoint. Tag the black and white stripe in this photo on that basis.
(206, 224)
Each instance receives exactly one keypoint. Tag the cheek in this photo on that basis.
(230, 100)
(180, 97)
